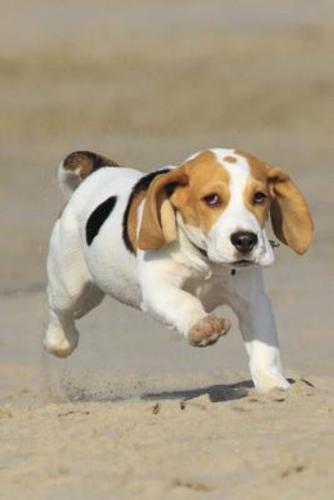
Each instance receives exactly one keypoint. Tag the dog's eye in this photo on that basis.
(259, 198)
(213, 200)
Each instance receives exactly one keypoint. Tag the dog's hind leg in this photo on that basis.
(71, 294)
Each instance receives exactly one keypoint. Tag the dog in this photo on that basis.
(176, 243)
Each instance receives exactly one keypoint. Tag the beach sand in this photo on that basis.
(135, 412)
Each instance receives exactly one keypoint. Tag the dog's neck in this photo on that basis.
(203, 252)
(190, 254)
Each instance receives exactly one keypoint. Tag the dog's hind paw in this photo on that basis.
(208, 330)
(58, 343)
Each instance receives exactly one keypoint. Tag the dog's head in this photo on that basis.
(222, 199)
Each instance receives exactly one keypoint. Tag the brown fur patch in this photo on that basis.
(133, 217)
(259, 181)
(86, 162)
(230, 159)
(291, 220)
(259, 169)
(158, 225)
(139, 192)
(259, 210)
(206, 175)
(290, 216)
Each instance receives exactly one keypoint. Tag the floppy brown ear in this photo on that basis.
(158, 225)
(290, 216)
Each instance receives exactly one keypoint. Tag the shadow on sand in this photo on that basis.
(216, 393)
(72, 392)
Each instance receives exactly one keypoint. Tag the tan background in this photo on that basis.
(148, 83)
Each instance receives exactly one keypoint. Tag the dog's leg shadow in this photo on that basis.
(215, 393)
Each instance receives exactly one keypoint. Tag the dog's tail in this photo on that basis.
(77, 166)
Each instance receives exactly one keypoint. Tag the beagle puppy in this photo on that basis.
(177, 243)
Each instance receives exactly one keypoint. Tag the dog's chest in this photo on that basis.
(212, 289)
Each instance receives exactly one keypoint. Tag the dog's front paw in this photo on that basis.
(208, 330)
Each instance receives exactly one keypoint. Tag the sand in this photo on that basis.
(135, 412)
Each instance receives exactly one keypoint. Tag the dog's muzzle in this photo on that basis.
(244, 241)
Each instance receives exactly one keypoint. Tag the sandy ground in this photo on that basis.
(135, 412)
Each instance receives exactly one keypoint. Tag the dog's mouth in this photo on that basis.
(242, 263)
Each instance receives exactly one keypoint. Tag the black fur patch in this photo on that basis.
(98, 217)
(142, 185)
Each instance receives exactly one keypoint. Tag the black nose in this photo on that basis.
(244, 241)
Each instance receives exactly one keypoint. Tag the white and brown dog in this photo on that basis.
(177, 243)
